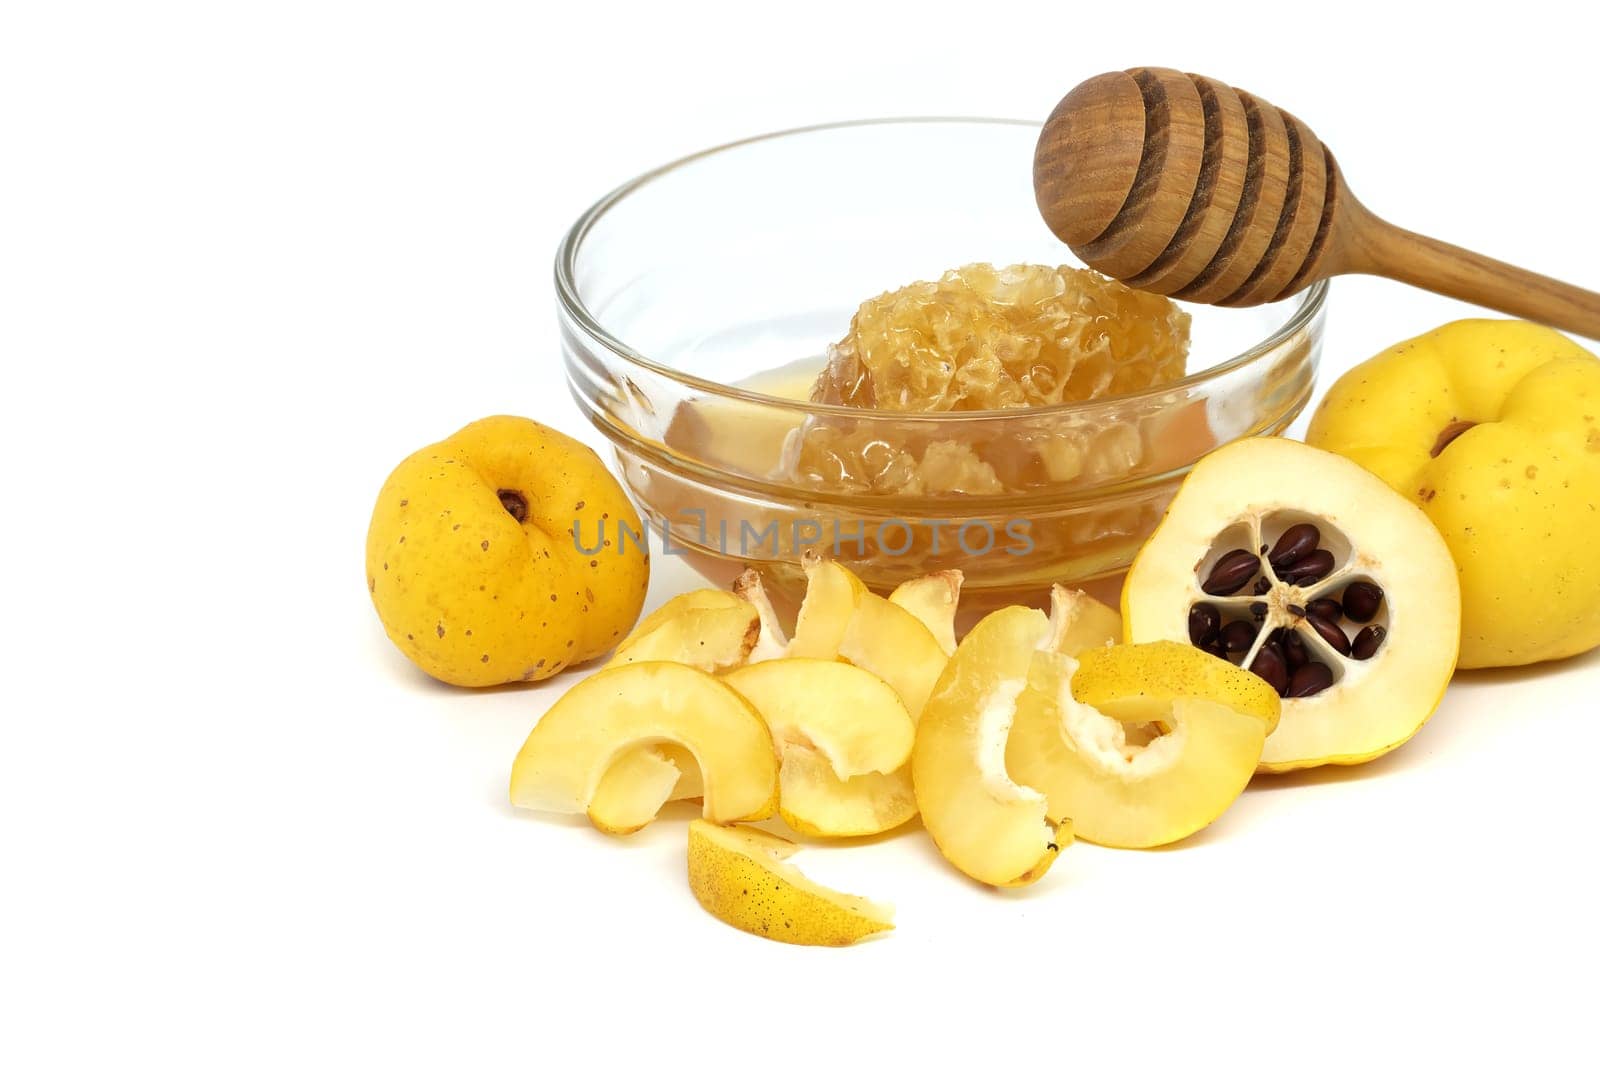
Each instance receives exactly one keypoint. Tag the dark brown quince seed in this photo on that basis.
(1309, 570)
(1204, 622)
(1262, 586)
(1238, 636)
(1362, 600)
(1325, 608)
(1367, 642)
(1309, 679)
(1270, 667)
(1296, 543)
(1232, 572)
(1331, 633)
(1294, 649)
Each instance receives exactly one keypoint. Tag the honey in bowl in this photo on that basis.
(683, 298)
(979, 339)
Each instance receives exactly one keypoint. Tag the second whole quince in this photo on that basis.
(1493, 429)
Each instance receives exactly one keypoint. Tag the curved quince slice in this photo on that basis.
(932, 600)
(1079, 622)
(840, 733)
(639, 782)
(770, 640)
(614, 711)
(707, 628)
(832, 593)
(739, 875)
(813, 800)
(990, 827)
(841, 618)
(1140, 744)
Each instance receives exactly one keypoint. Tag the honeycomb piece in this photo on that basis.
(982, 338)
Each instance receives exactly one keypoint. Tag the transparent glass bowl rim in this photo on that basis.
(1311, 302)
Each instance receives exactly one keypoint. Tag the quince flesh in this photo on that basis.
(647, 704)
(1493, 429)
(988, 826)
(1078, 723)
(739, 875)
(840, 734)
(771, 641)
(932, 599)
(640, 781)
(707, 628)
(841, 618)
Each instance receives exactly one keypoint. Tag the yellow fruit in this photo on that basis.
(932, 600)
(840, 618)
(740, 877)
(647, 704)
(1493, 429)
(473, 564)
(813, 800)
(771, 642)
(1139, 744)
(829, 606)
(840, 734)
(1247, 499)
(639, 782)
(707, 628)
(1080, 622)
(988, 826)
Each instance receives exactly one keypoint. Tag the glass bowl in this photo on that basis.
(697, 302)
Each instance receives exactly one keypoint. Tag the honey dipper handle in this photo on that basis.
(1373, 246)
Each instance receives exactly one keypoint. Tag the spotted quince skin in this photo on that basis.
(1493, 429)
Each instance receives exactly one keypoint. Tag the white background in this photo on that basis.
(254, 254)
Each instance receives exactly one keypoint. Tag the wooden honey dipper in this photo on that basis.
(1179, 184)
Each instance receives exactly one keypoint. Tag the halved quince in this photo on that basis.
(643, 705)
(1310, 572)
(707, 628)
(739, 875)
(990, 827)
(841, 618)
(1144, 744)
(932, 600)
(841, 733)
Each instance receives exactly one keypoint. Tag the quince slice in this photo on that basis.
(640, 781)
(1079, 622)
(739, 875)
(840, 734)
(932, 599)
(841, 618)
(1140, 744)
(707, 628)
(646, 704)
(990, 827)
(770, 640)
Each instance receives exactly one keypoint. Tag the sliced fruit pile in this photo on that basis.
(1036, 724)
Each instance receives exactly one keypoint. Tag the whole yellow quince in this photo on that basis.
(1493, 429)
(505, 553)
